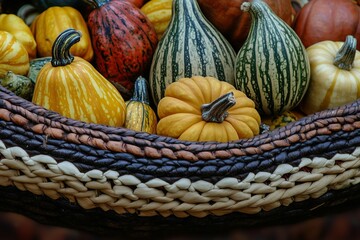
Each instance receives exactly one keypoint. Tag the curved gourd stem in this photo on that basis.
(253, 8)
(61, 55)
(141, 93)
(344, 58)
(216, 111)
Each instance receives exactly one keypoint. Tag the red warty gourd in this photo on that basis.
(124, 42)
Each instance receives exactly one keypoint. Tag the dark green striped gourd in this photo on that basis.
(272, 67)
(191, 46)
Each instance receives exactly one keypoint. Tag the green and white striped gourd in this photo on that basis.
(272, 67)
(191, 46)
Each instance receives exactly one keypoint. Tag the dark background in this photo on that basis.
(343, 226)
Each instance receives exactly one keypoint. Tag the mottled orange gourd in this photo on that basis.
(75, 89)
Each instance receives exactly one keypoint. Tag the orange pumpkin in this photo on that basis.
(321, 20)
(206, 109)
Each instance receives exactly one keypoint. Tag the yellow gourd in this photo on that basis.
(13, 55)
(17, 27)
(159, 14)
(72, 87)
(206, 109)
(139, 114)
(335, 75)
(54, 20)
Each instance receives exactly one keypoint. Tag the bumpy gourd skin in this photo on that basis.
(124, 41)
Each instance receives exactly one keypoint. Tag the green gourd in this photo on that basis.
(20, 85)
(191, 46)
(272, 66)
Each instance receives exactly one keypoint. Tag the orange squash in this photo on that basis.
(206, 109)
(13, 55)
(54, 20)
(72, 87)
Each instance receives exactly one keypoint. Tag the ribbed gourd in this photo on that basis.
(71, 86)
(335, 75)
(272, 66)
(139, 114)
(190, 46)
(13, 55)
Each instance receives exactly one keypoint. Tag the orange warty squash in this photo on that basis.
(206, 109)
(72, 87)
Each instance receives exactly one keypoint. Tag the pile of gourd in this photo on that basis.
(196, 70)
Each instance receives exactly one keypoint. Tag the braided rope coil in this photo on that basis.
(43, 175)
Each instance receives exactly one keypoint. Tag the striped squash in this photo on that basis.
(190, 46)
(272, 66)
(139, 114)
(72, 87)
(13, 55)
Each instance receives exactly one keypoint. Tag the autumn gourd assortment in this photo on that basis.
(178, 68)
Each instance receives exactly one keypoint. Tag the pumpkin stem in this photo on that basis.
(61, 55)
(344, 58)
(141, 91)
(216, 111)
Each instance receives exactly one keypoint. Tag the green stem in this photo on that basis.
(344, 58)
(216, 111)
(141, 93)
(61, 55)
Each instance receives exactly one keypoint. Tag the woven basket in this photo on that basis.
(106, 179)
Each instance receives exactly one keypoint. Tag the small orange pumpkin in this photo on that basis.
(206, 109)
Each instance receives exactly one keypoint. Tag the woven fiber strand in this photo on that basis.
(134, 173)
(41, 174)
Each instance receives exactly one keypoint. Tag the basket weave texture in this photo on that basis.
(126, 172)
